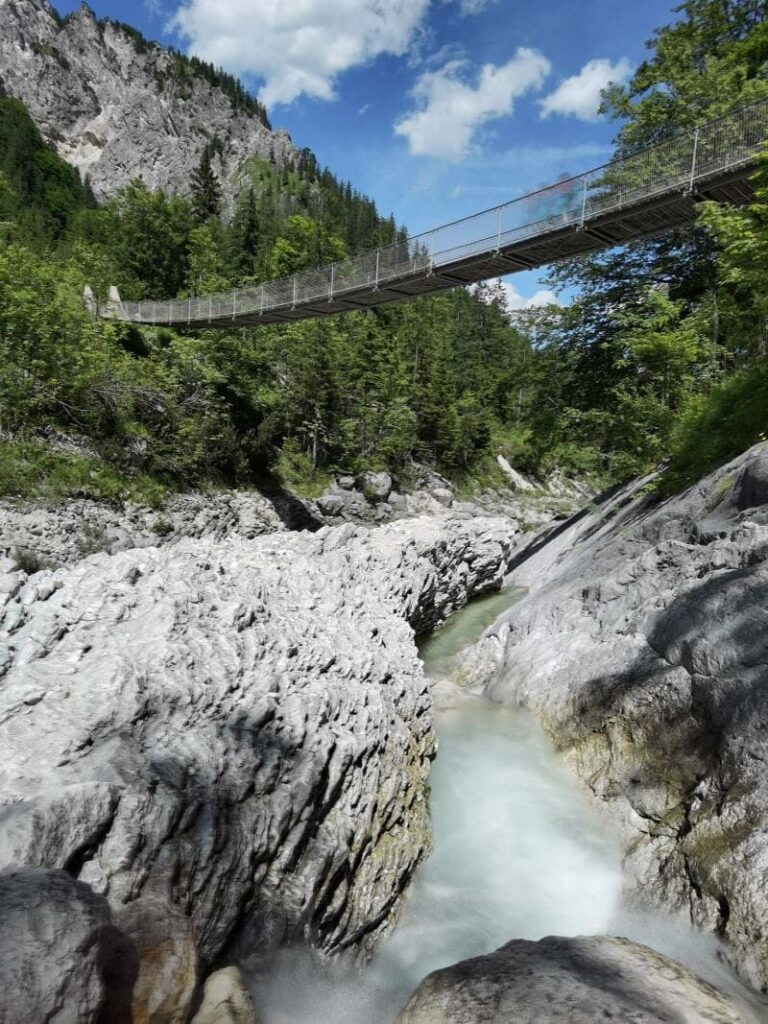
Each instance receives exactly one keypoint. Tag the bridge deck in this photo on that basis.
(642, 195)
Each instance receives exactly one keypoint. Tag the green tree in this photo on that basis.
(303, 243)
(205, 189)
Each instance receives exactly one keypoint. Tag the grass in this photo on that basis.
(294, 470)
(30, 469)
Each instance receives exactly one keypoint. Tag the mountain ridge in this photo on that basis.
(118, 107)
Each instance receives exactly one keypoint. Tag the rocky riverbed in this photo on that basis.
(217, 738)
(643, 647)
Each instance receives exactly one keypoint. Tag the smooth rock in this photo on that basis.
(164, 945)
(330, 504)
(226, 1000)
(753, 485)
(517, 480)
(568, 981)
(443, 495)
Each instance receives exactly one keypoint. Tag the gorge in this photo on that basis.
(406, 665)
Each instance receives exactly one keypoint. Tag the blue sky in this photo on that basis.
(435, 108)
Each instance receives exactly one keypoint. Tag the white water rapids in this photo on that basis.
(520, 851)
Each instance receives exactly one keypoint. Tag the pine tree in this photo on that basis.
(205, 190)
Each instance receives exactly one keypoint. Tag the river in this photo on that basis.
(520, 851)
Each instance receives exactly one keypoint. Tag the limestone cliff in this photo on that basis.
(118, 107)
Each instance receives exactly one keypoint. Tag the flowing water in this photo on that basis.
(520, 851)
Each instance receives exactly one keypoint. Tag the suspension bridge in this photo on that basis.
(627, 199)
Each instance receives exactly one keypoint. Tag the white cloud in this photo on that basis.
(579, 95)
(297, 48)
(155, 9)
(514, 299)
(450, 110)
(469, 7)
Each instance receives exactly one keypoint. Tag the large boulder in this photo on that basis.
(753, 485)
(60, 957)
(166, 958)
(568, 981)
(240, 730)
(375, 486)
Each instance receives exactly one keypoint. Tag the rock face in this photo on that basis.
(57, 534)
(50, 925)
(118, 108)
(643, 646)
(232, 736)
(567, 981)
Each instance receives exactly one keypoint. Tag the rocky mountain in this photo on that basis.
(119, 107)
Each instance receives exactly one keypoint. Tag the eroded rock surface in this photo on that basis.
(238, 731)
(56, 534)
(643, 646)
(568, 981)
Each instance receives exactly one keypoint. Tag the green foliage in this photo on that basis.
(148, 238)
(663, 350)
(205, 189)
(294, 469)
(28, 561)
(39, 192)
(32, 469)
(659, 326)
(717, 426)
(303, 243)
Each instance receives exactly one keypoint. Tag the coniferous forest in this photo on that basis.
(661, 354)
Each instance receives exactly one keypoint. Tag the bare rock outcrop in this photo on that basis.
(568, 981)
(643, 646)
(236, 734)
(119, 107)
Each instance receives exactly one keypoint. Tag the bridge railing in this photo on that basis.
(677, 163)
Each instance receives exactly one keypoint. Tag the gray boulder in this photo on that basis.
(375, 486)
(331, 504)
(237, 729)
(166, 958)
(568, 981)
(59, 952)
(443, 496)
(753, 485)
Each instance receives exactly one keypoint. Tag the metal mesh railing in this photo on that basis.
(680, 163)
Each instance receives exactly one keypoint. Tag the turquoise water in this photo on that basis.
(520, 851)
